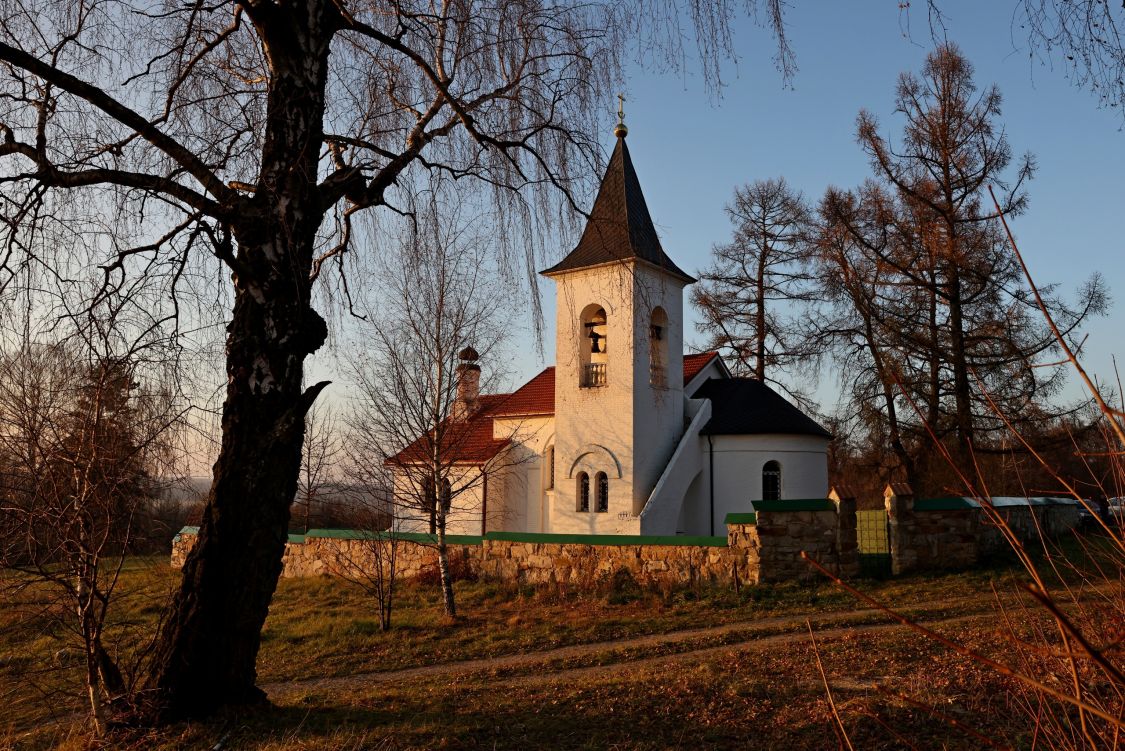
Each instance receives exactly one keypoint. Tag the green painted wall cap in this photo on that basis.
(579, 539)
(795, 504)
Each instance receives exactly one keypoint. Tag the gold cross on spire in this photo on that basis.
(620, 130)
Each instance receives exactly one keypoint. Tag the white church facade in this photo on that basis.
(626, 435)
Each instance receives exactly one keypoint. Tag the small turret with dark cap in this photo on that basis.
(468, 384)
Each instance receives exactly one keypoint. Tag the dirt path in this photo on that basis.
(759, 642)
(551, 664)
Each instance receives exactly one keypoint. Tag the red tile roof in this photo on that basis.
(536, 397)
(472, 442)
(693, 364)
(468, 442)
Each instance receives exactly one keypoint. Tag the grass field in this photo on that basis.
(539, 667)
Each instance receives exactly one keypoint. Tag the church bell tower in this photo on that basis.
(619, 403)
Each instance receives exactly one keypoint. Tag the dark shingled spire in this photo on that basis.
(619, 227)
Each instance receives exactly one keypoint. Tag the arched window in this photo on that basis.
(549, 469)
(446, 495)
(430, 501)
(771, 481)
(602, 483)
(583, 492)
(592, 347)
(658, 349)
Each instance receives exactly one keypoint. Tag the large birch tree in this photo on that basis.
(242, 139)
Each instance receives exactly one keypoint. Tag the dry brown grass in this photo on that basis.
(712, 689)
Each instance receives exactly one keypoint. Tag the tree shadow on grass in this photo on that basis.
(498, 716)
(436, 716)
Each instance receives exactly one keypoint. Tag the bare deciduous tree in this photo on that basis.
(419, 410)
(255, 132)
(369, 559)
(1083, 38)
(320, 457)
(85, 450)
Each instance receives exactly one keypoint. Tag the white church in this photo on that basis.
(626, 434)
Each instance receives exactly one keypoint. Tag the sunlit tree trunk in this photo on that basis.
(443, 568)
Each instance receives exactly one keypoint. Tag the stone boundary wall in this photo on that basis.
(330, 552)
(823, 529)
(948, 533)
(584, 565)
(1027, 522)
(763, 546)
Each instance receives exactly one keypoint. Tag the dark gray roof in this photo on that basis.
(620, 226)
(745, 406)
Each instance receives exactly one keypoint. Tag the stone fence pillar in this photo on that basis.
(847, 542)
(744, 548)
(902, 527)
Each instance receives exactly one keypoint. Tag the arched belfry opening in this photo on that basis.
(658, 348)
(593, 347)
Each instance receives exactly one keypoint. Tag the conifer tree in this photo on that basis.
(751, 297)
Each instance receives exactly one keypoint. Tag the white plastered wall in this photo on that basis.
(658, 412)
(694, 516)
(465, 510)
(521, 487)
(737, 471)
(622, 428)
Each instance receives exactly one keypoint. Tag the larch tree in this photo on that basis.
(958, 329)
(852, 282)
(750, 297)
(247, 136)
(951, 149)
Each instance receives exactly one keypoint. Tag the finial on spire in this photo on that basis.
(620, 130)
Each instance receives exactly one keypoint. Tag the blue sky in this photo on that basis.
(690, 150)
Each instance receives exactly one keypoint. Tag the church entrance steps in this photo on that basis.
(661, 512)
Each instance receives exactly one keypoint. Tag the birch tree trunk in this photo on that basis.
(443, 568)
(89, 632)
(217, 112)
(211, 638)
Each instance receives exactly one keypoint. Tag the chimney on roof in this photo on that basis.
(468, 384)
